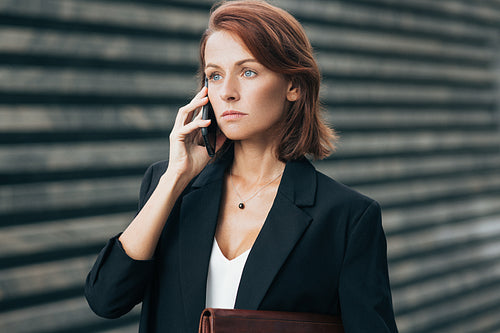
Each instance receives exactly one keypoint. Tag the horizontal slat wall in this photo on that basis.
(413, 88)
(88, 94)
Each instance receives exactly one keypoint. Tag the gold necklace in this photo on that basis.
(241, 205)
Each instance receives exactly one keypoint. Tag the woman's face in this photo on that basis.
(248, 99)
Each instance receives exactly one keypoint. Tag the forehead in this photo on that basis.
(223, 47)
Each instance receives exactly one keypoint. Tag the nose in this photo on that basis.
(230, 90)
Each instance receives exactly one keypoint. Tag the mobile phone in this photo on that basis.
(209, 133)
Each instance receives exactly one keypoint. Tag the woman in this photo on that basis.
(257, 227)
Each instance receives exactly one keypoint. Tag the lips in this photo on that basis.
(232, 114)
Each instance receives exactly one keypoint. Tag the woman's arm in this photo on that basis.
(140, 238)
(186, 160)
(364, 290)
(124, 268)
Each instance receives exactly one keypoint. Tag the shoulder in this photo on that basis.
(342, 198)
(150, 180)
(153, 174)
(353, 215)
(321, 194)
(328, 185)
(158, 167)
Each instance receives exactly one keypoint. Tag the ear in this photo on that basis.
(293, 92)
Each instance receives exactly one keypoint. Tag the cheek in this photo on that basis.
(213, 100)
(273, 97)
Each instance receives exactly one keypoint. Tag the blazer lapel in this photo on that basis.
(198, 221)
(284, 226)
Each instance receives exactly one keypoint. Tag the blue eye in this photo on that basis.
(215, 77)
(249, 73)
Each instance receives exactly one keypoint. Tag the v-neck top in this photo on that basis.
(223, 279)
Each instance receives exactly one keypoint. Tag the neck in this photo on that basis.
(254, 163)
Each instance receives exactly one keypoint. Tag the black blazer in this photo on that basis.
(321, 249)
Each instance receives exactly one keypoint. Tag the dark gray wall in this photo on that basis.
(88, 94)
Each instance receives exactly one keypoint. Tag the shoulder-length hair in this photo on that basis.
(278, 41)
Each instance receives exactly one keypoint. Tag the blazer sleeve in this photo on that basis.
(364, 290)
(116, 282)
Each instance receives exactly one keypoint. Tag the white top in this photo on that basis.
(223, 278)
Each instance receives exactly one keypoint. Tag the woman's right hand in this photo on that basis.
(187, 158)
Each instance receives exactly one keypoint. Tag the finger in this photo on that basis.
(198, 116)
(193, 111)
(192, 126)
(184, 115)
(199, 96)
(202, 93)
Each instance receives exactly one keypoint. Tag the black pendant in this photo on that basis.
(241, 205)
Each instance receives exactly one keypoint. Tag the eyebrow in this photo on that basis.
(239, 63)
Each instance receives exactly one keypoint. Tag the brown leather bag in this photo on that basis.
(252, 321)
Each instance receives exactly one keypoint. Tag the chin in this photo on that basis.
(235, 137)
(234, 134)
(242, 133)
